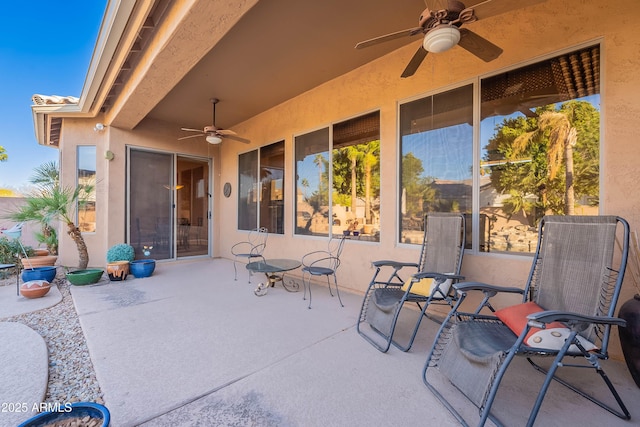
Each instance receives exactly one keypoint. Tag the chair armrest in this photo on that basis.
(445, 276)
(236, 248)
(572, 318)
(479, 286)
(258, 249)
(313, 257)
(395, 264)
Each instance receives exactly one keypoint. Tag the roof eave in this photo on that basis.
(112, 27)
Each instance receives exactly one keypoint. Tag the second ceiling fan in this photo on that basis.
(214, 134)
(441, 29)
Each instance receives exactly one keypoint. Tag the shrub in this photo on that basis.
(9, 250)
(120, 252)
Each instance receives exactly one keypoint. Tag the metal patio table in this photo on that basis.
(275, 270)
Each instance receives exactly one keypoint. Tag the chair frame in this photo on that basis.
(323, 263)
(394, 282)
(251, 248)
(609, 292)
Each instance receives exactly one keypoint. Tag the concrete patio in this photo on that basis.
(191, 346)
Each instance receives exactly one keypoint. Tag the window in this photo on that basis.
(436, 145)
(540, 145)
(261, 189)
(86, 181)
(539, 141)
(352, 147)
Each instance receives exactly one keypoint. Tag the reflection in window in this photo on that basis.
(540, 138)
(437, 156)
(354, 207)
(86, 182)
(312, 183)
(261, 189)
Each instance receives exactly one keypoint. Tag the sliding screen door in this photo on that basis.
(151, 192)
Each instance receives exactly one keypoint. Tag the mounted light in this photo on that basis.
(441, 38)
(213, 139)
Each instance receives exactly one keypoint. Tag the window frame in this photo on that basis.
(78, 183)
(477, 149)
(280, 229)
(330, 147)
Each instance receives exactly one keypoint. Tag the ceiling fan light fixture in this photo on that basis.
(441, 39)
(213, 139)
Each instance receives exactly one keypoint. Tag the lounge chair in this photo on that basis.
(570, 294)
(438, 267)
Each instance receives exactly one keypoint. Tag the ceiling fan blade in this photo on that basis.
(190, 136)
(415, 62)
(479, 46)
(487, 8)
(192, 130)
(388, 37)
(237, 138)
(225, 132)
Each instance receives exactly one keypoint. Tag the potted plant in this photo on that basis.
(118, 258)
(143, 267)
(96, 414)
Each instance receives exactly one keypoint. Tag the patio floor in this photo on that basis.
(191, 346)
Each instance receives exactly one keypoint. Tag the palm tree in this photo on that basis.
(46, 177)
(562, 139)
(371, 159)
(353, 154)
(51, 202)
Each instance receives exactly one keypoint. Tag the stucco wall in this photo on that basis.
(540, 31)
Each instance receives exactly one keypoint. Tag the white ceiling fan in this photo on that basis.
(214, 134)
(441, 29)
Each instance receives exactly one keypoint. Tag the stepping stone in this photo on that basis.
(24, 369)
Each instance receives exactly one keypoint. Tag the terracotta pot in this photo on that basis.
(35, 289)
(630, 336)
(39, 261)
(41, 252)
(118, 270)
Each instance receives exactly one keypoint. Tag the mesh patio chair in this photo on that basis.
(323, 263)
(252, 248)
(567, 311)
(438, 267)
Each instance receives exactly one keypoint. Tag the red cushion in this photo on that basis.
(552, 337)
(515, 317)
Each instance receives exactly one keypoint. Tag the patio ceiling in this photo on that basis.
(279, 49)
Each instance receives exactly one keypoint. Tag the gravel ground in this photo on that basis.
(71, 374)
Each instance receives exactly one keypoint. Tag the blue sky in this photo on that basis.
(45, 48)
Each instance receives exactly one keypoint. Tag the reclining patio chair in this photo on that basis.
(438, 267)
(251, 249)
(323, 263)
(567, 311)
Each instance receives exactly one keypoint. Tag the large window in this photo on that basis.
(436, 138)
(261, 189)
(538, 145)
(86, 182)
(352, 148)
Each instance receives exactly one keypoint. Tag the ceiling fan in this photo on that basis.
(214, 134)
(441, 29)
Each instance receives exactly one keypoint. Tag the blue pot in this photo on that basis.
(39, 273)
(142, 267)
(66, 411)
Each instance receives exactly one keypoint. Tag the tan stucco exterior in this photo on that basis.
(553, 27)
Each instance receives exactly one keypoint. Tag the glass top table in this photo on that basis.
(275, 270)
